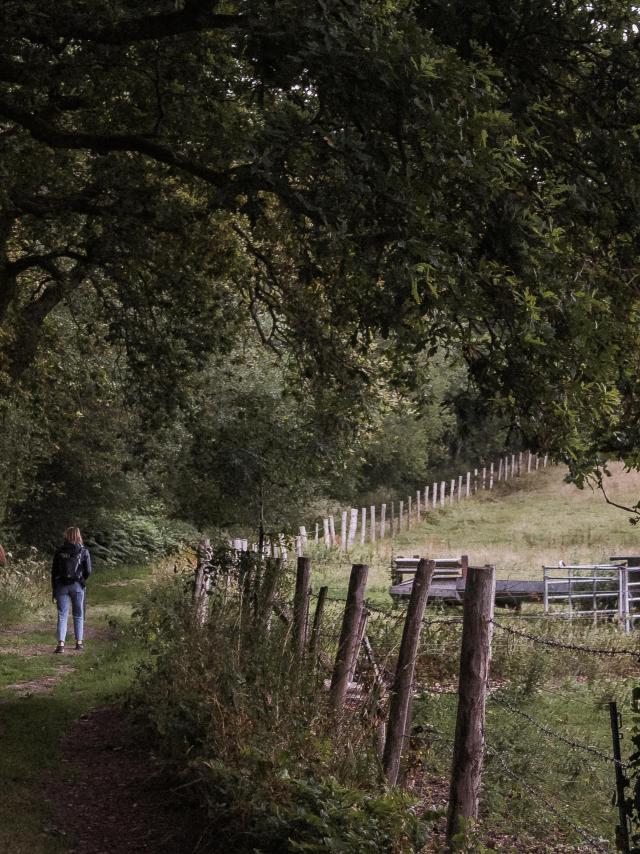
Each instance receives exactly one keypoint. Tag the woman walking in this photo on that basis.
(69, 572)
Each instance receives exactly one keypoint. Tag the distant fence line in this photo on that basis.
(367, 525)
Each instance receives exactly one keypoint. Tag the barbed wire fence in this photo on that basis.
(370, 687)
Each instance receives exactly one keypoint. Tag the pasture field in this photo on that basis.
(519, 526)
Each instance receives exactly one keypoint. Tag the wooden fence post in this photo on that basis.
(327, 536)
(435, 495)
(459, 487)
(353, 527)
(475, 658)
(348, 635)
(363, 525)
(403, 681)
(372, 511)
(443, 488)
(484, 477)
(491, 476)
(393, 518)
(529, 463)
(409, 512)
(332, 530)
(202, 580)
(401, 516)
(317, 619)
(343, 531)
(500, 469)
(303, 537)
(317, 533)
(452, 491)
(418, 510)
(383, 521)
(426, 500)
(545, 461)
(268, 591)
(468, 492)
(300, 606)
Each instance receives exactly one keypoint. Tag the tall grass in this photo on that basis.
(25, 589)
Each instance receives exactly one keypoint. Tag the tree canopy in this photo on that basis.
(350, 177)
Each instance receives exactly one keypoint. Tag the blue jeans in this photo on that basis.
(70, 595)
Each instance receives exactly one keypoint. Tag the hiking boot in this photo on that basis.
(79, 646)
(60, 647)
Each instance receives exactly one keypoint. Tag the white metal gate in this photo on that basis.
(592, 590)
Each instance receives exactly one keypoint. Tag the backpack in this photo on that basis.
(69, 567)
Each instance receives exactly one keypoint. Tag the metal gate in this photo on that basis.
(592, 590)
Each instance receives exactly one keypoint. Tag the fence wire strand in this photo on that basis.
(542, 727)
(575, 647)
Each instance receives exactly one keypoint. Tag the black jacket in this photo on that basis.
(66, 553)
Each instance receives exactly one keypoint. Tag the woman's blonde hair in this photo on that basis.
(73, 535)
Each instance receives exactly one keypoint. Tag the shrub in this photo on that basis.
(134, 538)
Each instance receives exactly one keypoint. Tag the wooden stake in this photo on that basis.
(435, 495)
(418, 510)
(363, 525)
(332, 530)
(348, 635)
(403, 681)
(343, 532)
(468, 492)
(491, 476)
(327, 533)
(353, 527)
(475, 658)
(401, 516)
(452, 491)
(383, 521)
(300, 606)
(268, 590)
(459, 487)
(409, 517)
(372, 511)
(317, 619)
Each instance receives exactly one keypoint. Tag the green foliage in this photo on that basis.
(130, 538)
(233, 708)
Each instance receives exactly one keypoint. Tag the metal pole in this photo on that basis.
(622, 831)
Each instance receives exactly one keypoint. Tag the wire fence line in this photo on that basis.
(553, 642)
(598, 844)
(549, 731)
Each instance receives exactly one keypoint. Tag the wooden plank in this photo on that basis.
(473, 682)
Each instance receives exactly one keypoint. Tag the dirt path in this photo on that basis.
(79, 775)
(114, 797)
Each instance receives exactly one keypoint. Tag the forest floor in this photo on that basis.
(78, 775)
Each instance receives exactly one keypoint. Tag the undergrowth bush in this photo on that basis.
(134, 538)
(276, 769)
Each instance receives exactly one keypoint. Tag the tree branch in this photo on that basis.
(196, 16)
